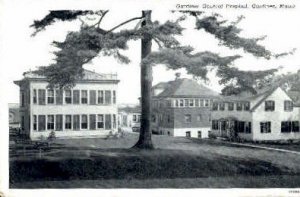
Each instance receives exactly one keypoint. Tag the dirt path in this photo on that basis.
(264, 147)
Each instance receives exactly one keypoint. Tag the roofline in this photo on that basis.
(186, 96)
(77, 81)
(266, 96)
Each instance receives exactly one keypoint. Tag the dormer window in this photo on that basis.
(269, 105)
(288, 105)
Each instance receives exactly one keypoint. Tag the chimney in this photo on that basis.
(177, 75)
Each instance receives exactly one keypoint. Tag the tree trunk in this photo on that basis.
(145, 141)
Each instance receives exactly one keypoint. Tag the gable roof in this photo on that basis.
(184, 88)
(257, 99)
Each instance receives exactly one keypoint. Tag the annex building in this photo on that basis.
(89, 109)
(268, 116)
(182, 107)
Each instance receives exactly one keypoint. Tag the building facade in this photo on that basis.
(129, 118)
(268, 116)
(182, 108)
(89, 109)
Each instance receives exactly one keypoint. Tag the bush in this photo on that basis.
(211, 135)
(51, 136)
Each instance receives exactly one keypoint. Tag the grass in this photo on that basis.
(175, 163)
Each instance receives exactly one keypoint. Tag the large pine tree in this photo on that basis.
(80, 47)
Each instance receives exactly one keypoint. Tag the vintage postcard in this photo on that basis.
(155, 98)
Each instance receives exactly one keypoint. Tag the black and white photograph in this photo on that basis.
(153, 98)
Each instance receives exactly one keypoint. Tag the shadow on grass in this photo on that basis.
(136, 164)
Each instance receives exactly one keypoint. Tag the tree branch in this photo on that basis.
(132, 19)
(158, 43)
(102, 16)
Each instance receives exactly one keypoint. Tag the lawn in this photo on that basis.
(175, 163)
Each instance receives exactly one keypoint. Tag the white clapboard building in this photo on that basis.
(89, 109)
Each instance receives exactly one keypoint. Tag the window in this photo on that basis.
(92, 122)
(188, 134)
(168, 118)
(289, 126)
(114, 121)
(197, 102)
(42, 95)
(100, 121)
(265, 127)
(58, 122)
(295, 126)
(269, 105)
(139, 118)
(169, 103)
(76, 95)
(153, 118)
(230, 106)
(34, 96)
(199, 117)
(222, 106)
(68, 96)
(22, 99)
(107, 97)
(286, 126)
(50, 122)
(100, 97)
(186, 102)
(176, 103)
(23, 122)
(59, 97)
(181, 103)
(199, 134)
(215, 107)
(215, 125)
(201, 102)
(84, 123)
(239, 106)
(115, 97)
(68, 122)
(288, 106)
(206, 103)
(192, 103)
(34, 123)
(50, 97)
(241, 127)
(92, 97)
(223, 125)
(76, 121)
(246, 106)
(41, 122)
(248, 127)
(107, 121)
(84, 97)
(134, 118)
(188, 118)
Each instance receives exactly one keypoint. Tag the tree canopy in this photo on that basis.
(80, 47)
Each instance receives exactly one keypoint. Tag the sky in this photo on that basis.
(21, 52)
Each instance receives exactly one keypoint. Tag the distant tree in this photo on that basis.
(80, 47)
